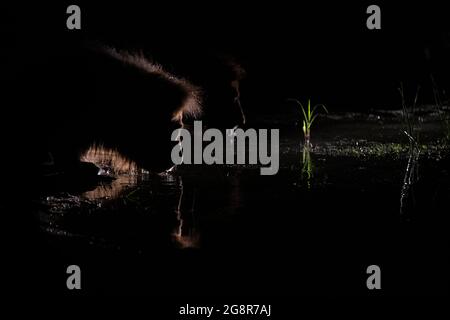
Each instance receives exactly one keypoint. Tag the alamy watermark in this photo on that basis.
(237, 147)
(374, 280)
(374, 20)
(74, 278)
(73, 21)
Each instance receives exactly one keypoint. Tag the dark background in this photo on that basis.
(289, 49)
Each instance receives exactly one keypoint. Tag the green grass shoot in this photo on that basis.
(309, 115)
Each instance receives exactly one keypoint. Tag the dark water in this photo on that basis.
(314, 227)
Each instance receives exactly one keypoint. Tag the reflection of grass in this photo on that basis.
(411, 176)
(309, 115)
(408, 120)
(307, 168)
(412, 168)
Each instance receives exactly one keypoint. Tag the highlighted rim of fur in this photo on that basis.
(191, 105)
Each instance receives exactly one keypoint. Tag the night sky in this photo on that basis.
(323, 51)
